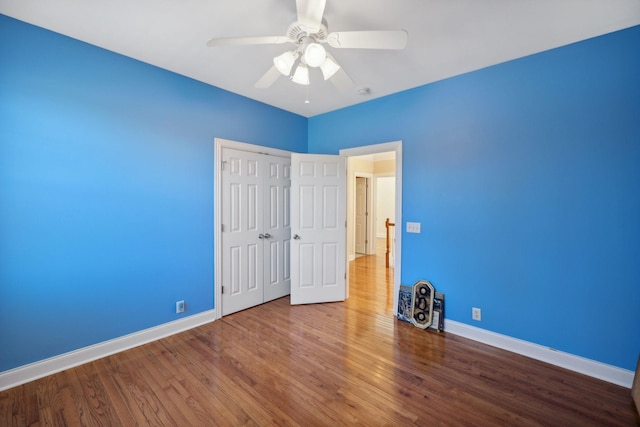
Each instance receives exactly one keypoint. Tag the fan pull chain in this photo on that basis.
(306, 99)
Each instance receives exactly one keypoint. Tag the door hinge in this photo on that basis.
(223, 289)
(223, 163)
(222, 227)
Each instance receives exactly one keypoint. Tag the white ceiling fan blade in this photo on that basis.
(368, 39)
(238, 41)
(342, 81)
(269, 78)
(310, 14)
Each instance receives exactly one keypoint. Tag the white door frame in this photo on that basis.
(217, 206)
(382, 148)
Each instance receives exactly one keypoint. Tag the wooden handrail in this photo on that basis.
(388, 224)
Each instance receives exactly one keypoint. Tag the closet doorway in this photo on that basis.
(252, 225)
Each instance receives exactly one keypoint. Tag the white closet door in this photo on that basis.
(277, 190)
(243, 222)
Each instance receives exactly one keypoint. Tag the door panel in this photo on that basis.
(252, 208)
(306, 216)
(235, 268)
(253, 283)
(306, 264)
(330, 208)
(318, 212)
(329, 262)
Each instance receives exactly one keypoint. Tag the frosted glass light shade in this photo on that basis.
(329, 68)
(314, 55)
(301, 76)
(284, 62)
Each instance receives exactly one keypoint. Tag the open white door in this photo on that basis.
(318, 228)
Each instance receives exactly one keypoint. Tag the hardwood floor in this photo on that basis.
(346, 363)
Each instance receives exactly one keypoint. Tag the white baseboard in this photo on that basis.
(40, 369)
(34, 371)
(592, 368)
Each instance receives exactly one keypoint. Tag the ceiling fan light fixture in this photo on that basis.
(301, 76)
(314, 54)
(329, 68)
(284, 62)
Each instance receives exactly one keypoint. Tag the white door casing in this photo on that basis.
(318, 228)
(254, 227)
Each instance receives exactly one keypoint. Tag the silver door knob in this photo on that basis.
(261, 236)
(267, 235)
(295, 236)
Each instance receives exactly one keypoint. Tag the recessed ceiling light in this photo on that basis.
(364, 91)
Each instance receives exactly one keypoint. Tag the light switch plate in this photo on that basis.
(413, 227)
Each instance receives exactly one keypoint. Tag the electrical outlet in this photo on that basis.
(180, 306)
(476, 314)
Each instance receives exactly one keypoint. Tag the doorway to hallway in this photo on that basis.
(373, 162)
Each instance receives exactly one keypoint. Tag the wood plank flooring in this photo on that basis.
(332, 364)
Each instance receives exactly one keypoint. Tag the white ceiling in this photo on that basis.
(446, 38)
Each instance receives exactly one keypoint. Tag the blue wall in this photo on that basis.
(526, 179)
(106, 190)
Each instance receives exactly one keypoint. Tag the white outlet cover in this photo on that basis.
(180, 307)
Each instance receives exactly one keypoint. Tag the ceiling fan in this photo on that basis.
(308, 34)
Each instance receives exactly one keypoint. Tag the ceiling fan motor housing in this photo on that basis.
(296, 32)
